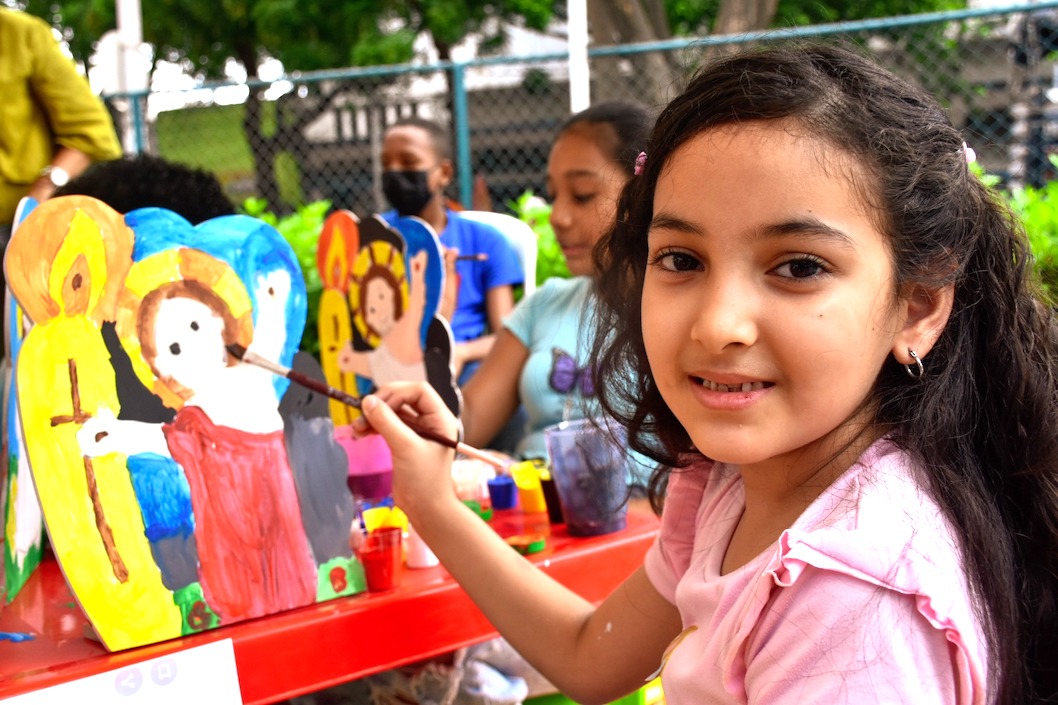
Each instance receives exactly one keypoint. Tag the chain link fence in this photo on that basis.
(318, 136)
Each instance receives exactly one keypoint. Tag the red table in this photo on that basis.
(428, 615)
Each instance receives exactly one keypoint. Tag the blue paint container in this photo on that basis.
(503, 492)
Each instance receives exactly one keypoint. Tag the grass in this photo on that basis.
(208, 138)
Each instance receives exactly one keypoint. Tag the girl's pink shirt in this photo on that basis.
(862, 600)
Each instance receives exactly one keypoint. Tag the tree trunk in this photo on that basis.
(261, 149)
(737, 16)
(261, 146)
(651, 77)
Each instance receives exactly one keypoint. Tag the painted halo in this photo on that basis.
(165, 270)
(377, 255)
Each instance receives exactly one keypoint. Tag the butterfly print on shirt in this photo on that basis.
(565, 375)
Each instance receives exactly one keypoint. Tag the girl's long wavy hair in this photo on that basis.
(982, 421)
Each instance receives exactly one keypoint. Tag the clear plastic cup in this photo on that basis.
(382, 555)
(589, 467)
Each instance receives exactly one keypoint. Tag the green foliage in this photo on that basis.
(228, 156)
(82, 22)
(302, 230)
(691, 17)
(694, 17)
(536, 212)
(793, 13)
(1037, 208)
(306, 35)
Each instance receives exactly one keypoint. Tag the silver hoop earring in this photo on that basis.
(915, 370)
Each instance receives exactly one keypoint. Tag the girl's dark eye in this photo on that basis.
(683, 262)
(583, 198)
(677, 262)
(802, 268)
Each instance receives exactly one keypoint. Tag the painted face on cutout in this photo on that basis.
(768, 301)
(413, 171)
(584, 185)
(380, 305)
(189, 342)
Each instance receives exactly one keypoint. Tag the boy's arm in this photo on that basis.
(499, 301)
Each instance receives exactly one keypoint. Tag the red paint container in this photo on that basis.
(382, 555)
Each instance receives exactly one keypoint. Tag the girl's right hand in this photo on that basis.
(422, 469)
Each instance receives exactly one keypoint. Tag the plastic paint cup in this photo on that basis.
(588, 467)
(382, 555)
(503, 492)
(530, 494)
(554, 505)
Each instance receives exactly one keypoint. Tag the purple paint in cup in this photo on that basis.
(589, 469)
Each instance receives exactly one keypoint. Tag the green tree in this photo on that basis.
(694, 17)
(305, 35)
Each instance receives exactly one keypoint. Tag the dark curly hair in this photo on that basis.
(145, 180)
(618, 128)
(982, 422)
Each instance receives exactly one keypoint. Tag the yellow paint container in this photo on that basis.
(380, 517)
(526, 476)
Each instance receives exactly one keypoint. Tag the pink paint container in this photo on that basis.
(370, 464)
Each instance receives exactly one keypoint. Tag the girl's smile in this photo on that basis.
(730, 396)
(729, 386)
(765, 283)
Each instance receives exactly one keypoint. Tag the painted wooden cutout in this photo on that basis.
(23, 522)
(436, 334)
(66, 266)
(338, 242)
(392, 281)
(205, 460)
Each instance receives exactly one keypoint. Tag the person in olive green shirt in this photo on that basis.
(51, 124)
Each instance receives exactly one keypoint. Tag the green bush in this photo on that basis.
(535, 211)
(1037, 208)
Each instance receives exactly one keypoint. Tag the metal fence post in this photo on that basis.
(461, 129)
(139, 127)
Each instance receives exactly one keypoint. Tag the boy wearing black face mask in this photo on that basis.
(417, 167)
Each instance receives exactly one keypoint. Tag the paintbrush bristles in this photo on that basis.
(240, 353)
(266, 364)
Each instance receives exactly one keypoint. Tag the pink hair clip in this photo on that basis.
(969, 153)
(641, 161)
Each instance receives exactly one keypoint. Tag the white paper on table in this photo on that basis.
(204, 673)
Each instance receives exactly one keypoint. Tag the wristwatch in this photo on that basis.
(56, 175)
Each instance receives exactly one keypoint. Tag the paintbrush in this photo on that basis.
(240, 353)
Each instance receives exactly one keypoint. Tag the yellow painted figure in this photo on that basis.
(67, 265)
(338, 244)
